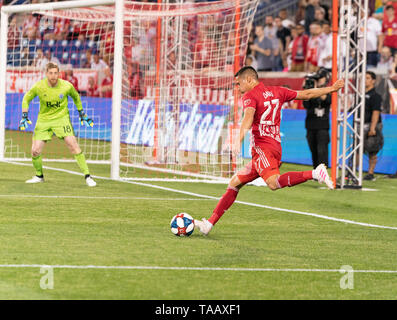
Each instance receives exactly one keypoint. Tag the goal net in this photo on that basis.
(178, 107)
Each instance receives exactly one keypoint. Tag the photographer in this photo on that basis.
(373, 136)
(317, 117)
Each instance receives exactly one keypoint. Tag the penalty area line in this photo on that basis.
(93, 267)
(310, 214)
(98, 198)
(267, 207)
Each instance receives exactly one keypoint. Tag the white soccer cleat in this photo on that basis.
(321, 175)
(90, 182)
(205, 226)
(35, 179)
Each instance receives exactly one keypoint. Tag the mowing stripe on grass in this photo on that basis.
(217, 198)
(341, 270)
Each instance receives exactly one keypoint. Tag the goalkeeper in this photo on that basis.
(54, 118)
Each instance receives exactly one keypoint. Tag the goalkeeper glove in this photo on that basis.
(23, 124)
(85, 120)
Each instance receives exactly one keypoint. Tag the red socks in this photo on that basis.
(224, 203)
(293, 178)
(287, 179)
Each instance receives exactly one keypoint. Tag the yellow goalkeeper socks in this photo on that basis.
(38, 165)
(80, 158)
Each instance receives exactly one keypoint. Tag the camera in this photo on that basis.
(312, 78)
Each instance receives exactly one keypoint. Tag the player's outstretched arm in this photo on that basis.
(29, 96)
(318, 92)
(84, 120)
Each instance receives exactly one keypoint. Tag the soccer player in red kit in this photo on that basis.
(262, 114)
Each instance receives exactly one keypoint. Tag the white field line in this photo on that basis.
(341, 270)
(217, 198)
(98, 198)
(177, 180)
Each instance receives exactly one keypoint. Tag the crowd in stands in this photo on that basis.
(304, 44)
(34, 40)
(301, 42)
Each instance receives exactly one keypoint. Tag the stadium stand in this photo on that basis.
(67, 43)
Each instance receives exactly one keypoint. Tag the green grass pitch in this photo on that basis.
(259, 253)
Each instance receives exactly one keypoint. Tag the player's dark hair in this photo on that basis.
(372, 75)
(389, 6)
(51, 65)
(247, 70)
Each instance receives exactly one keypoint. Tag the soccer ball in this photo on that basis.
(182, 225)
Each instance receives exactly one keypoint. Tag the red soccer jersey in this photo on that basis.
(267, 102)
(73, 80)
(299, 48)
(389, 29)
(108, 81)
(93, 91)
(313, 50)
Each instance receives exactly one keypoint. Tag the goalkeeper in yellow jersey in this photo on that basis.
(54, 118)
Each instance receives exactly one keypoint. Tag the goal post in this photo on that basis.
(3, 66)
(117, 89)
(20, 10)
(165, 103)
(188, 105)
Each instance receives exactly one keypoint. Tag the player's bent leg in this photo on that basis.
(72, 144)
(272, 182)
(37, 161)
(224, 203)
(268, 162)
(37, 147)
(79, 156)
(235, 181)
(240, 179)
(291, 179)
(226, 200)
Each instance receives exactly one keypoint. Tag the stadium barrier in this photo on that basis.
(200, 125)
(199, 121)
(21, 81)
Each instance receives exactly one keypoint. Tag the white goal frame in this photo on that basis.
(6, 11)
(117, 19)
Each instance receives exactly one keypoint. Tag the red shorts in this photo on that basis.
(265, 163)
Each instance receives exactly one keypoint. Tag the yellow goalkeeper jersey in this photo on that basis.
(53, 100)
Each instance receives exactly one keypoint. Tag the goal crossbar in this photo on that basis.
(6, 11)
(200, 80)
(55, 6)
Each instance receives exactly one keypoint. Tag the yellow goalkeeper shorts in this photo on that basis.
(44, 130)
